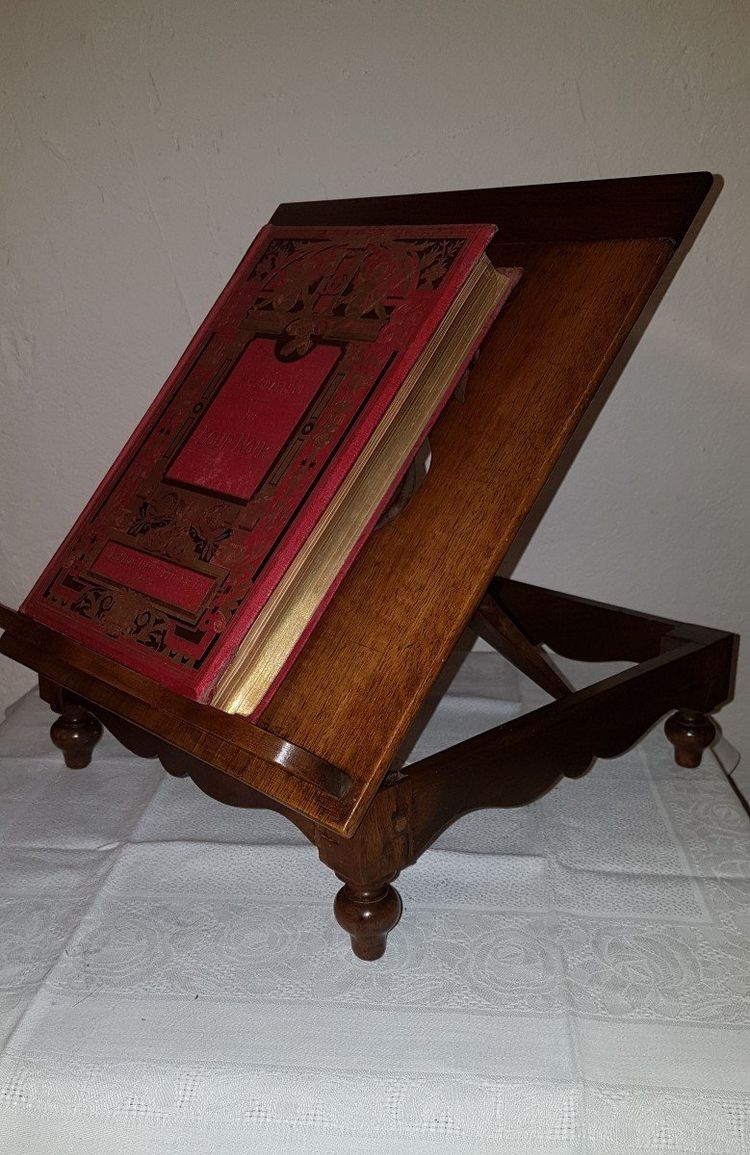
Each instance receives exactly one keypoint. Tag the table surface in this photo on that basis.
(568, 977)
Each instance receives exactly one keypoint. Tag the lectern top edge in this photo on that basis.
(624, 207)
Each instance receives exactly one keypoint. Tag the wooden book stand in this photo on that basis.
(322, 754)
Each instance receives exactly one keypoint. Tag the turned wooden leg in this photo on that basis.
(690, 732)
(76, 732)
(368, 913)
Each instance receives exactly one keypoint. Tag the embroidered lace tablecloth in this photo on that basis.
(568, 977)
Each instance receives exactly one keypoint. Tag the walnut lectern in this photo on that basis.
(322, 753)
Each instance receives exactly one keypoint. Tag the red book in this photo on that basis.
(237, 470)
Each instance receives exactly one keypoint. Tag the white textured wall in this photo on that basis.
(143, 143)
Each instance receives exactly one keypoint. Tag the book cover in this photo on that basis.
(247, 443)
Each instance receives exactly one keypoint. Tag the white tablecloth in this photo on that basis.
(567, 977)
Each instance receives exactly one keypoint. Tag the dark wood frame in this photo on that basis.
(323, 751)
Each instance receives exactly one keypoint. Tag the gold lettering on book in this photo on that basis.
(166, 581)
(238, 442)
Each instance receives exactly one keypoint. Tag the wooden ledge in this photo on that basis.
(228, 742)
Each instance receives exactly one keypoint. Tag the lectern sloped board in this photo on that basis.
(592, 254)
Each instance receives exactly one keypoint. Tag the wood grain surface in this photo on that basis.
(363, 675)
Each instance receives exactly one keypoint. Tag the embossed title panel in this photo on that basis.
(245, 428)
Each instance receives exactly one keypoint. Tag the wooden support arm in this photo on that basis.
(494, 624)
